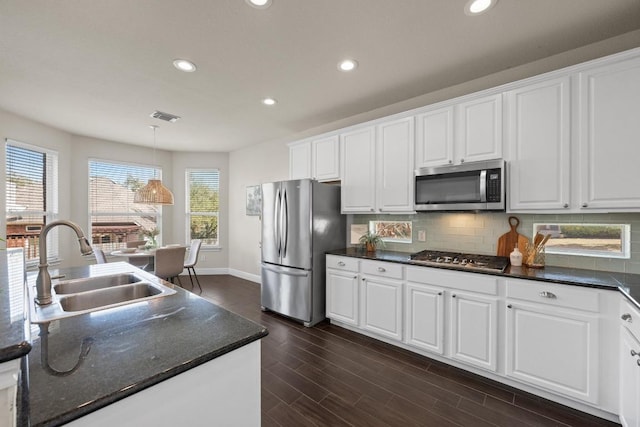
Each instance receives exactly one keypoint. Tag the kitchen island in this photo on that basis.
(174, 360)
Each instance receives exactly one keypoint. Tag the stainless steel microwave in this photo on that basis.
(478, 186)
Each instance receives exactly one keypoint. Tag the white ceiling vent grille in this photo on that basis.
(165, 116)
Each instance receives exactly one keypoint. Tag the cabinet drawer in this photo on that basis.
(342, 263)
(385, 269)
(554, 294)
(472, 282)
(630, 317)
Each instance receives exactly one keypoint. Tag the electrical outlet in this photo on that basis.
(422, 236)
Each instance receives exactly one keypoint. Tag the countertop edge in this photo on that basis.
(15, 351)
(148, 382)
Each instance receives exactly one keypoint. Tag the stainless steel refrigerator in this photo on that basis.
(301, 220)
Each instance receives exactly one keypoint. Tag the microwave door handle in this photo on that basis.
(483, 186)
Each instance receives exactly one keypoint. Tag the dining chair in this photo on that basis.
(140, 262)
(100, 257)
(169, 263)
(192, 260)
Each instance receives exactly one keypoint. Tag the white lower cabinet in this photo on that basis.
(343, 290)
(424, 317)
(552, 338)
(629, 366)
(381, 298)
(474, 329)
(9, 374)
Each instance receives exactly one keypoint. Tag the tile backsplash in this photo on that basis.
(479, 233)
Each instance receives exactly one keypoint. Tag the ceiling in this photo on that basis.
(99, 69)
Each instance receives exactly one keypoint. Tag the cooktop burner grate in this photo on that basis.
(461, 261)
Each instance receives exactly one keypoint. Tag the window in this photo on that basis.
(203, 205)
(596, 240)
(31, 197)
(115, 219)
(392, 231)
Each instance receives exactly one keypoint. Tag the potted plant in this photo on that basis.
(150, 237)
(371, 241)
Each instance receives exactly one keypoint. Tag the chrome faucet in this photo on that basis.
(43, 282)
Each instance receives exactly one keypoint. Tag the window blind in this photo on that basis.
(31, 197)
(203, 205)
(115, 219)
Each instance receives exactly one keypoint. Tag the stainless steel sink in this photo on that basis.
(93, 283)
(108, 296)
(85, 295)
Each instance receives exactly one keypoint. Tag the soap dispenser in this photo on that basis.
(516, 257)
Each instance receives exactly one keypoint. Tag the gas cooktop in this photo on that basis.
(461, 261)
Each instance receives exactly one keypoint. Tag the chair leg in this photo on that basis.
(179, 282)
(197, 280)
(190, 278)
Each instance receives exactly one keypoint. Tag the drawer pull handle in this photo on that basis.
(546, 294)
(509, 306)
(381, 269)
(627, 317)
(439, 293)
(454, 295)
(341, 264)
(634, 353)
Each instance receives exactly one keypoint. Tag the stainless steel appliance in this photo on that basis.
(478, 186)
(461, 261)
(301, 220)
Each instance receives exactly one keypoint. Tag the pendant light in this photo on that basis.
(154, 193)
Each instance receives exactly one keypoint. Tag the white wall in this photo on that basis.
(262, 163)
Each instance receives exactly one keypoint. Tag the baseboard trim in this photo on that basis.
(231, 271)
(246, 276)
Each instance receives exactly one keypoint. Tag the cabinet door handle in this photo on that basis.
(461, 160)
(546, 294)
(584, 205)
(355, 277)
(566, 205)
(634, 353)
(638, 362)
(341, 264)
(453, 296)
(381, 269)
(627, 317)
(439, 293)
(509, 306)
(450, 161)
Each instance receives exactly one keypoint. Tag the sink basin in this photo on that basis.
(93, 283)
(88, 294)
(108, 296)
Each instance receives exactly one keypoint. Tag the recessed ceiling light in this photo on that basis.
(476, 7)
(269, 101)
(348, 65)
(259, 4)
(184, 65)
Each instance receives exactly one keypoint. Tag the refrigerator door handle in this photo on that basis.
(285, 239)
(287, 272)
(276, 228)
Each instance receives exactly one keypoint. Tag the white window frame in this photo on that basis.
(157, 173)
(625, 238)
(51, 200)
(187, 204)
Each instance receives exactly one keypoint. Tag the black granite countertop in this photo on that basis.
(132, 347)
(14, 337)
(628, 284)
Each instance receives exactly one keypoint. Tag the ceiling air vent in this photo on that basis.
(165, 116)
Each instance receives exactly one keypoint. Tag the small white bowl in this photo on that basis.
(128, 250)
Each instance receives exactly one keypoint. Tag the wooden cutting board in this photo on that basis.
(510, 240)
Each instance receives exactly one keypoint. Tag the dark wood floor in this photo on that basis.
(330, 376)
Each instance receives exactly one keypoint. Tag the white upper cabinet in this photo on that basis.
(318, 159)
(539, 135)
(466, 132)
(395, 141)
(479, 129)
(300, 160)
(609, 136)
(358, 152)
(377, 173)
(434, 138)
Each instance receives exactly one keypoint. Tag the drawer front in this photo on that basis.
(482, 283)
(553, 294)
(342, 263)
(384, 269)
(630, 317)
